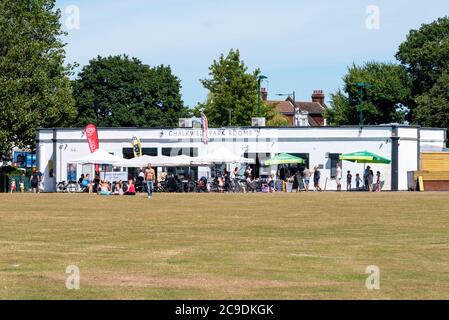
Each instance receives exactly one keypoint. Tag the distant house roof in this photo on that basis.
(311, 107)
(286, 108)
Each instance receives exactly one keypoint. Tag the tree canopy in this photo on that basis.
(385, 100)
(231, 89)
(118, 91)
(35, 89)
(425, 54)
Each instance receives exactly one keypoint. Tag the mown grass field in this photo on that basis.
(225, 246)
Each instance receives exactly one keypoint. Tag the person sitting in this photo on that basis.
(105, 189)
(251, 183)
(131, 188)
(202, 184)
(118, 189)
(86, 184)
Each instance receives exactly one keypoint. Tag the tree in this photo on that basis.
(232, 88)
(35, 89)
(425, 54)
(433, 107)
(118, 91)
(385, 101)
(273, 117)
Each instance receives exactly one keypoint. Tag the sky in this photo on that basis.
(301, 45)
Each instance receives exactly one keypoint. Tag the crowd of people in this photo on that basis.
(287, 178)
(365, 184)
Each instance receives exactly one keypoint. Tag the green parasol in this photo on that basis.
(284, 158)
(364, 157)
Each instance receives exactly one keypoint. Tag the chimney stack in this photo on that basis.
(264, 94)
(318, 96)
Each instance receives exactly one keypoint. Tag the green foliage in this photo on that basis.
(273, 117)
(117, 91)
(230, 87)
(385, 101)
(34, 85)
(433, 107)
(425, 54)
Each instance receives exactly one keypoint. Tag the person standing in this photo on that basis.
(349, 181)
(307, 174)
(378, 181)
(40, 187)
(338, 176)
(316, 179)
(34, 181)
(149, 178)
(226, 181)
(366, 178)
(300, 179)
(235, 180)
(358, 180)
(370, 180)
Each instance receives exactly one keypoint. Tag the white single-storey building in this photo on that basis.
(319, 146)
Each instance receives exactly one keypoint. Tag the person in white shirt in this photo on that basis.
(338, 176)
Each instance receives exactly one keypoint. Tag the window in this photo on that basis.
(334, 158)
(173, 152)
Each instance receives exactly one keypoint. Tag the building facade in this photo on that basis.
(319, 146)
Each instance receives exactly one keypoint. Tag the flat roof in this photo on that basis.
(266, 127)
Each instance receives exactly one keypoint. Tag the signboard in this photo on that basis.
(114, 176)
(137, 148)
(24, 159)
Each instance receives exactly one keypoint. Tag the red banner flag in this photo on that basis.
(92, 137)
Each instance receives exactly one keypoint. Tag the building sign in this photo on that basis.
(213, 133)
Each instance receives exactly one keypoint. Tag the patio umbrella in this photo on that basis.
(221, 155)
(99, 156)
(284, 158)
(364, 157)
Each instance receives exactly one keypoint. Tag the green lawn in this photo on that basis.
(225, 246)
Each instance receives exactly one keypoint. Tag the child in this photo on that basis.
(13, 185)
(349, 181)
(358, 180)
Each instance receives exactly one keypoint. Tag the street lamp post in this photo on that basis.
(293, 96)
(230, 116)
(361, 86)
(259, 81)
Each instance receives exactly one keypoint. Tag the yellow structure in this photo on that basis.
(434, 161)
(434, 174)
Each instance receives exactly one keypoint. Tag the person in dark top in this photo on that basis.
(34, 181)
(316, 179)
(349, 181)
(227, 180)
